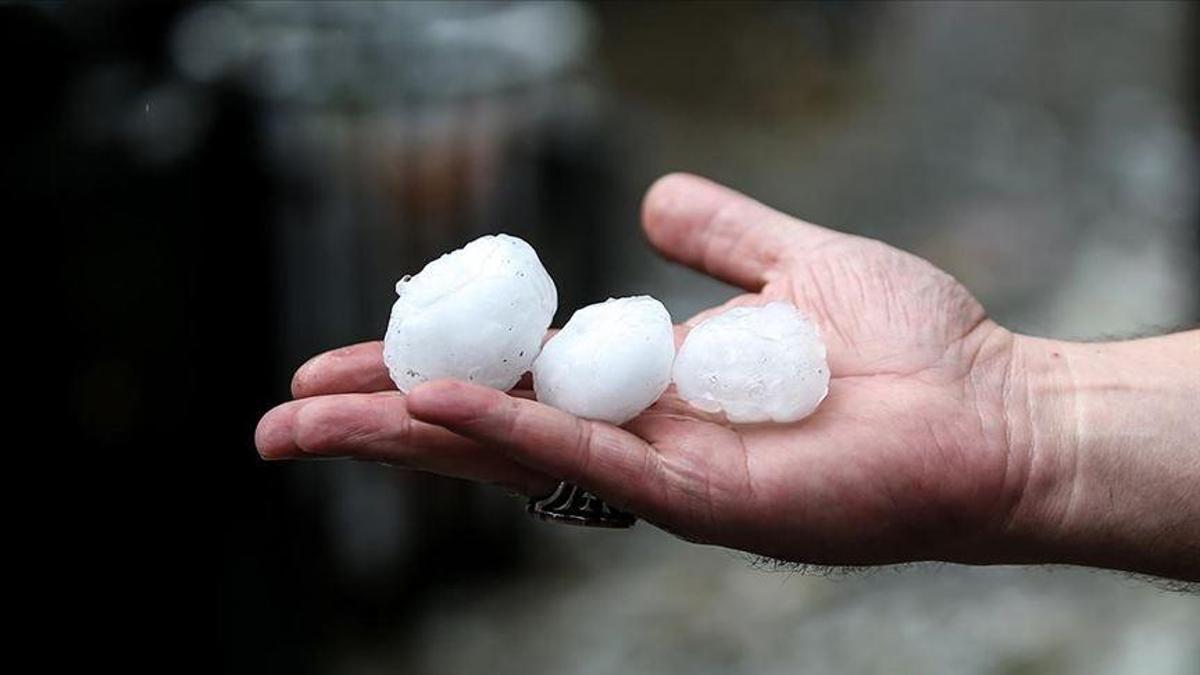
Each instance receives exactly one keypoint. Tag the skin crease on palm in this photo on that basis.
(925, 448)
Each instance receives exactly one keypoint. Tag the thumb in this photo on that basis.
(721, 232)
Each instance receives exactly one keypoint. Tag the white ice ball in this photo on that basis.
(757, 364)
(610, 362)
(478, 314)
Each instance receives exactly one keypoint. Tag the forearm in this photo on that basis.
(1108, 437)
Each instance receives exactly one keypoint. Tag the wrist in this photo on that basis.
(1108, 435)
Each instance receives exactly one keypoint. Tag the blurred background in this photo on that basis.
(232, 187)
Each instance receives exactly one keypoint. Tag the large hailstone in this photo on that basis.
(610, 362)
(478, 314)
(756, 364)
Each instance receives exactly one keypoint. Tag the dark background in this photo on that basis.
(228, 189)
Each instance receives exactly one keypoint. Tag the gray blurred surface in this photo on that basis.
(641, 602)
(1041, 153)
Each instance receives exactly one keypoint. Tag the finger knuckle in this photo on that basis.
(584, 438)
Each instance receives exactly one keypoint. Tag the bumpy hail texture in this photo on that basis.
(477, 314)
(610, 362)
(756, 364)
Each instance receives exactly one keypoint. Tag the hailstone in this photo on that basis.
(478, 314)
(756, 364)
(610, 362)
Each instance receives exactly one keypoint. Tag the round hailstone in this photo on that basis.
(757, 364)
(477, 314)
(610, 362)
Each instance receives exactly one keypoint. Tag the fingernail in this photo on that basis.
(274, 437)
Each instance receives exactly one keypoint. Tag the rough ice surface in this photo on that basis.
(478, 314)
(610, 362)
(756, 364)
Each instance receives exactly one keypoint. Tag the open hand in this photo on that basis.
(912, 456)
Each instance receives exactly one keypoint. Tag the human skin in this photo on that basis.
(944, 435)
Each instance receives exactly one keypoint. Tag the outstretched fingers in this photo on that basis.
(721, 232)
(609, 461)
(378, 427)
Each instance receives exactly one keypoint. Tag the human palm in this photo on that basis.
(908, 458)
